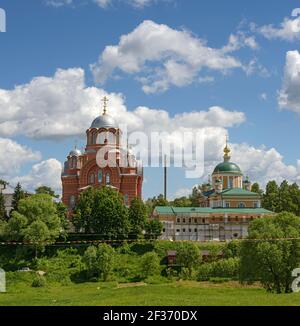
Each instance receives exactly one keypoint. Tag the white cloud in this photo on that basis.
(178, 57)
(288, 30)
(263, 96)
(103, 3)
(62, 105)
(45, 173)
(289, 95)
(58, 3)
(13, 156)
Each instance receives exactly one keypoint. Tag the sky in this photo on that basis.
(227, 68)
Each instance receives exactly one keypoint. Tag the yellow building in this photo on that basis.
(226, 208)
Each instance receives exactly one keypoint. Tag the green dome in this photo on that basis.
(227, 167)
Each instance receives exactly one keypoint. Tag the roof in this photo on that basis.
(228, 167)
(167, 210)
(104, 121)
(238, 192)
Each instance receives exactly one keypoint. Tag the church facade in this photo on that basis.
(81, 169)
(226, 207)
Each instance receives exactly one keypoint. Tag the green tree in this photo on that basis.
(100, 260)
(271, 197)
(36, 222)
(267, 258)
(188, 256)
(285, 200)
(38, 235)
(153, 229)
(137, 215)
(149, 264)
(17, 196)
(256, 188)
(83, 214)
(109, 214)
(160, 200)
(47, 191)
(182, 202)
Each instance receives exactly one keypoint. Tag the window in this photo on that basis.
(94, 138)
(241, 205)
(255, 204)
(183, 220)
(183, 230)
(72, 201)
(195, 220)
(190, 230)
(190, 220)
(178, 220)
(195, 230)
(100, 176)
(126, 199)
(107, 178)
(230, 183)
(227, 205)
(164, 230)
(177, 230)
(92, 179)
(203, 220)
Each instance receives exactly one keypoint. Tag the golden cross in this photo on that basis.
(105, 101)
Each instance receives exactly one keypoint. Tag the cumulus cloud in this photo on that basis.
(288, 30)
(289, 94)
(62, 105)
(177, 55)
(45, 173)
(13, 156)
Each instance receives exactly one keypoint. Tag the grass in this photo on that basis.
(175, 293)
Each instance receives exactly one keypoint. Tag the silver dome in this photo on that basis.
(75, 152)
(104, 121)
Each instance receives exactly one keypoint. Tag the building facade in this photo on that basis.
(82, 169)
(226, 207)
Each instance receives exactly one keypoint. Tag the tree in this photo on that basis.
(156, 201)
(153, 229)
(37, 234)
(83, 214)
(102, 211)
(99, 260)
(269, 259)
(36, 222)
(149, 264)
(271, 197)
(17, 196)
(188, 256)
(137, 215)
(182, 202)
(256, 188)
(47, 191)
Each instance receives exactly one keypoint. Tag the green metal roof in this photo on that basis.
(238, 192)
(190, 210)
(229, 167)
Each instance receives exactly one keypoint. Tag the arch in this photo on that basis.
(92, 178)
(100, 176)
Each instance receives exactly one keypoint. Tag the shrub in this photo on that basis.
(149, 264)
(204, 272)
(38, 282)
(188, 256)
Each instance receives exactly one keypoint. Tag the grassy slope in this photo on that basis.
(177, 293)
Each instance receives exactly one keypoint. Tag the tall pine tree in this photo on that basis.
(17, 196)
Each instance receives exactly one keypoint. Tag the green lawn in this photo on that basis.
(176, 293)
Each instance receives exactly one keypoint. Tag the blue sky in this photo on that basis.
(42, 38)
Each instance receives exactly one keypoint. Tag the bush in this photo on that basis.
(62, 267)
(38, 282)
(223, 268)
(149, 264)
(232, 249)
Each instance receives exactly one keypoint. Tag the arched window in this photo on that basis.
(72, 201)
(107, 178)
(126, 199)
(241, 205)
(92, 178)
(94, 137)
(100, 176)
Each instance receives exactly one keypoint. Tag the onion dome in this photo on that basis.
(104, 120)
(75, 152)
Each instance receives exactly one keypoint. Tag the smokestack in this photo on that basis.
(165, 178)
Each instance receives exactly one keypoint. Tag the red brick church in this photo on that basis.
(82, 171)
